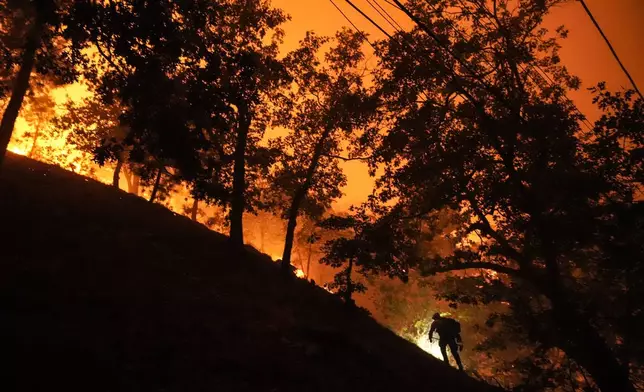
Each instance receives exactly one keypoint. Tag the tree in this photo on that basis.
(197, 92)
(308, 238)
(365, 247)
(615, 149)
(328, 106)
(95, 129)
(264, 230)
(345, 251)
(38, 40)
(475, 129)
(38, 113)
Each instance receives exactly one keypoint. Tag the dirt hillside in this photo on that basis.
(102, 291)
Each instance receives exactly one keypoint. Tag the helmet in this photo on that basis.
(436, 316)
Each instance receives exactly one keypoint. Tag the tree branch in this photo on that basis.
(476, 265)
(487, 228)
(107, 58)
(348, 159)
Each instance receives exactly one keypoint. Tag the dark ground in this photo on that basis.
(101, 291)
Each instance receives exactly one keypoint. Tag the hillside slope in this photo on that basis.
(101, 291)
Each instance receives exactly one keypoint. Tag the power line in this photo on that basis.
(541, 73)
(465, 65)
(375, 24)
(532, 67)
(453, 74)
(485, 86)
(450, 51)
(388, 14)
(382, 15)
(610, 46)
(399, 28)
(392, 4)
(368, 18)
(354, 26)
(484, 82)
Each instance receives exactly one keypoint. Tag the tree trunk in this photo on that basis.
(299, 197)
(583, 344)
(308, 260)
(194, 210)
(290, 229)
(578, 338)
(136, 182)
(128, 178)
(347, 295)
(34, 143)
(21, 84)
(239, 180)
(155, 188)
(116, 178)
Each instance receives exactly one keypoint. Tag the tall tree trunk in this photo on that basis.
(34, 143)
(128, 178)
(157, 183)
(136, 183)
(578, 338)
(299, 197)
(116, 178)
(194, 210)
(308, 260)
(347, 295)
(582, 343)
(239, 180)
(21, 84)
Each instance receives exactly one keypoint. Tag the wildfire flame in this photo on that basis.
(298, 271)
(431, 348)
(18, 150)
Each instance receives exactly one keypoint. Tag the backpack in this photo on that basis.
(453, 325)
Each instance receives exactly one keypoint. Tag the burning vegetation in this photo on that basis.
(494, 199)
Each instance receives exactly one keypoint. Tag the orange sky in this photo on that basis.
(584, 52)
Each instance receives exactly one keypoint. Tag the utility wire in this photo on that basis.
(610, 46)
(538, 70)
(382, 15)
(423, 95)
(450, 51)
(354, 26)
(466, 66)
(532, 67)
(453, 74)
(369, 19)
(388, 14)
(392, 4)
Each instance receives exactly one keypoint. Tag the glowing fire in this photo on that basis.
(18, 150)
(431, 348)
(298, 272)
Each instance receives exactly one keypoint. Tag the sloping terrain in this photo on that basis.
(102, 291)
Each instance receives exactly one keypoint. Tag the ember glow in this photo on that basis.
(18, 150)
(432, 348)
(298, 271)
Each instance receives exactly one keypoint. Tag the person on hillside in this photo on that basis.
(449, 334)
